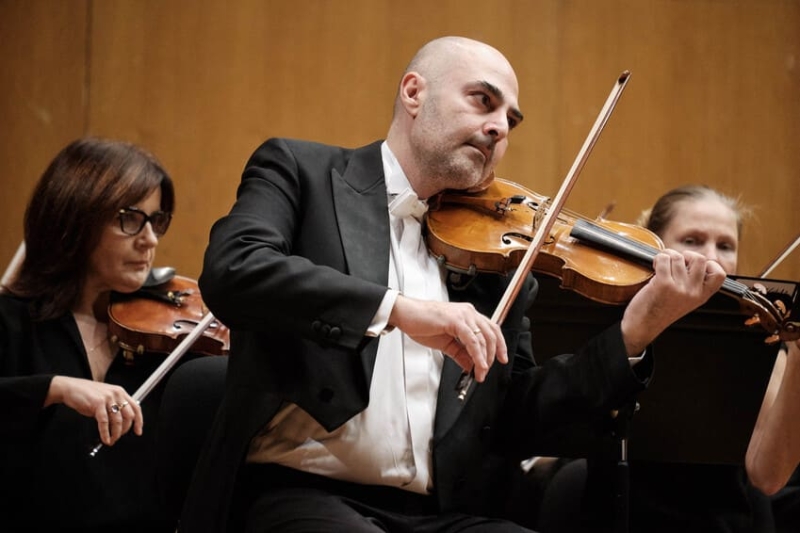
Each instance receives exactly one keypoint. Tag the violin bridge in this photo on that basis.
(540, 212)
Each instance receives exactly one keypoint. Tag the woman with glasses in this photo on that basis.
(91, 228)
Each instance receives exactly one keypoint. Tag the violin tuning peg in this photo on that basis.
(760, 288)
(772, 339)
(752, 321)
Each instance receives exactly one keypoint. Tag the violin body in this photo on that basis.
(155, 319)
(491, 231)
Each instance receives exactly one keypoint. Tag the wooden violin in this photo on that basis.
(155, 318)
(491, 231)
(605, 261)
(167, 317)
(506, 227)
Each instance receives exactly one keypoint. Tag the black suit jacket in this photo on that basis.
(298, 269)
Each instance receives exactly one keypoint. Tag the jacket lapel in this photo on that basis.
(359, 196)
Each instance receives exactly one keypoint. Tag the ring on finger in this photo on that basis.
(477, 331)
(114, 408)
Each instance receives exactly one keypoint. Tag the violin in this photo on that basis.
(505, 219)
(165, 315)
(156, 317)
(491, 231)
(605, 261)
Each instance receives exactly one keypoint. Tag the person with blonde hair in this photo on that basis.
(667, 497)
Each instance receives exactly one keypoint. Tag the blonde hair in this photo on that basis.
(658, 217)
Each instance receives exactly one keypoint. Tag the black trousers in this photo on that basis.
(276, 499)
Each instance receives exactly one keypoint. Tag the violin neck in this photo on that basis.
(635, 251)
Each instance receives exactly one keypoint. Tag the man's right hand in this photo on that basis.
(458, 330)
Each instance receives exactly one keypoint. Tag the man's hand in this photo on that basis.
(457, 329)
(681, 283)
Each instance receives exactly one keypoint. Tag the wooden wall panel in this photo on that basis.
(712, 97)
(203, 87)
(42, 99)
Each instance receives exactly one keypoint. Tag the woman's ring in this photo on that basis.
(122, 405)
(114, 408)
(477, 331)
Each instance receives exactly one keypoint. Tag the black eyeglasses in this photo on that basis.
(132, 221)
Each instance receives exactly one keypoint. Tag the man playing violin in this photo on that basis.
(348, 339)
(91, 227)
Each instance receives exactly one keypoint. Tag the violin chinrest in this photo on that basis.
(158, 276)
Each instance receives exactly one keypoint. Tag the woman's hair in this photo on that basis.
(80, 192)
(657, 218)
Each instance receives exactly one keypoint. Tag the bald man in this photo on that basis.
(341, 409)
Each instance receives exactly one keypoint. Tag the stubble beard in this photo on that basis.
(449, 168)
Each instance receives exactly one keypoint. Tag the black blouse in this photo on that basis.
(47, 478)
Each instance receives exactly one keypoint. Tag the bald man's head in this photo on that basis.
(455, 106)
(440, 55)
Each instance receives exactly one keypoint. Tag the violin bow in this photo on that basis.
(171, 360)
(546, 224)
(780, 257)
(13, 266)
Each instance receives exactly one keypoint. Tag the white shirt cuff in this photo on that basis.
(635, 360)
(380, 321)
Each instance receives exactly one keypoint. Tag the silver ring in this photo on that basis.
(477, 331)
(114, 408)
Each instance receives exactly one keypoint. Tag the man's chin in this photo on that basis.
(483, 185)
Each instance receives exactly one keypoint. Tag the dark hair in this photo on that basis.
(657, 218)
(81, 191)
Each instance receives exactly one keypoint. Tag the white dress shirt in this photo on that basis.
(389, 443)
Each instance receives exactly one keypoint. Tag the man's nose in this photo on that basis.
(497, 126)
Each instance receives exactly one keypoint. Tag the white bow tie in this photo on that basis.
(406, 204)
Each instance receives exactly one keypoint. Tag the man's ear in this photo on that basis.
(412, 88)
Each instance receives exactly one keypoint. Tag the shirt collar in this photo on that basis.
(396, 180)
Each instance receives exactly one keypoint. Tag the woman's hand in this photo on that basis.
(113, 408)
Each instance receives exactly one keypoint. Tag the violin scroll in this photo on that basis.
(772, 316)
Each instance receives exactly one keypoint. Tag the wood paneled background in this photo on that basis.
(714, 95)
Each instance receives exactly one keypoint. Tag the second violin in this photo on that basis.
(155, 318)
